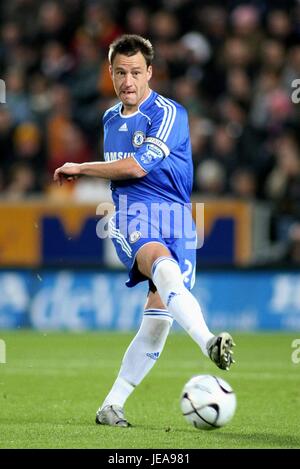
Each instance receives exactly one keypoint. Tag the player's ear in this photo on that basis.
(110, 71)
(149, 72)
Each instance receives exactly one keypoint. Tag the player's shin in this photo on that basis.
(141, 355)
(167, 278)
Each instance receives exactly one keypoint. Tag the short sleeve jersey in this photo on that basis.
(157, 137)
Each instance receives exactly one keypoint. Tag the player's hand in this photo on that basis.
(69, 171)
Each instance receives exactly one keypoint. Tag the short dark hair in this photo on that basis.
(131, 44)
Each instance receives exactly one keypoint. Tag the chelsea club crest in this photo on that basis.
(134, 236)
(138, 138)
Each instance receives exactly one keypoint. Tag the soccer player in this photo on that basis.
(148, 160)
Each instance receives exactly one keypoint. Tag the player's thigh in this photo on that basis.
(154, 301)
(148, 254)
(186, 258)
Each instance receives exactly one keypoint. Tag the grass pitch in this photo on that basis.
(53, 383)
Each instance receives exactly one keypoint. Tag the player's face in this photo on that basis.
(130, 76)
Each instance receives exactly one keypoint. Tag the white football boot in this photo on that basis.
(112, 415)
(220, 351)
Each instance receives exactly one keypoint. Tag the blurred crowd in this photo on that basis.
(232, 64)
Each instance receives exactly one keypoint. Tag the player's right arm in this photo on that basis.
(127, 168)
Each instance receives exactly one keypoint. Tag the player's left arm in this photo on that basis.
(167, 129)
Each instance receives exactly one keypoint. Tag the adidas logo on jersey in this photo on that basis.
(153, 355)
(123, 128)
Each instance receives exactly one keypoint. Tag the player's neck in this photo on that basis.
(127, 110)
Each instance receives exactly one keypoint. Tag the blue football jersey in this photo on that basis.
(157, 137)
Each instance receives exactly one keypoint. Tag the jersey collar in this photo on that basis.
(143, 103)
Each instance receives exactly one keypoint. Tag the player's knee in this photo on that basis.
(166, 270)
(147, 256)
